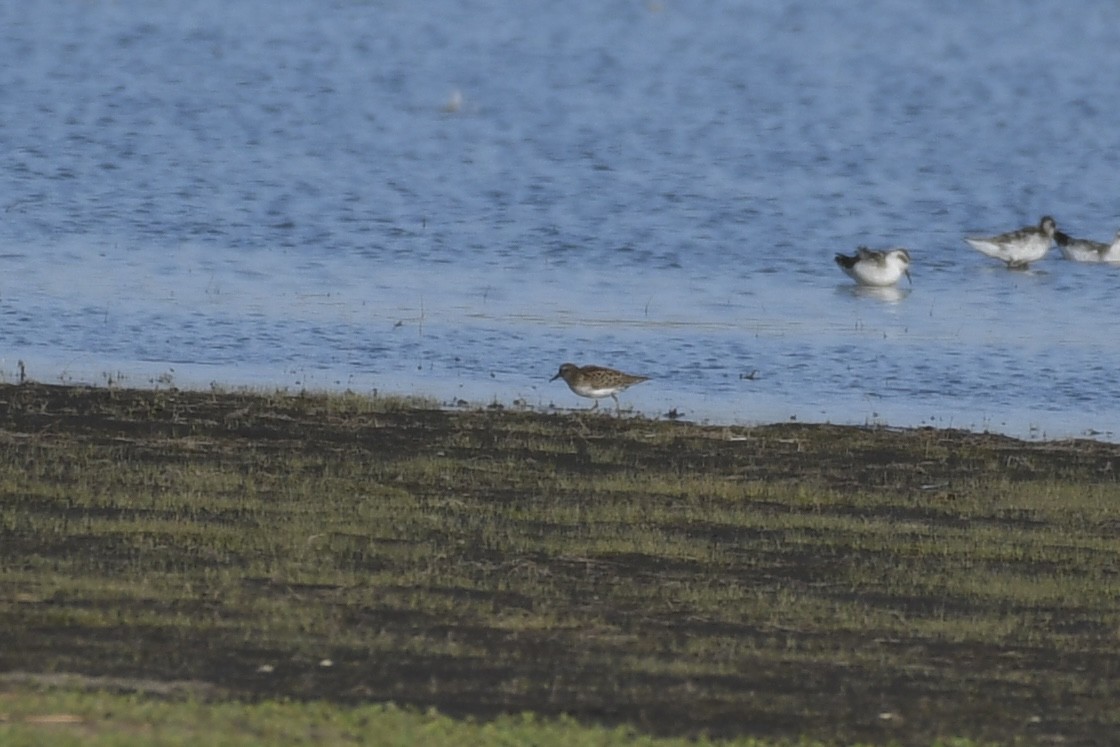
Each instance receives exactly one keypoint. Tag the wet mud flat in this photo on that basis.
(781, 581)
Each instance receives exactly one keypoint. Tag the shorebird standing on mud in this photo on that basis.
(596, 382)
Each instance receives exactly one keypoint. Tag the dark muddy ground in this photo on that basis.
(781, 581)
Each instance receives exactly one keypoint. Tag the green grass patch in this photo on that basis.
(788, 582)
(32, 717)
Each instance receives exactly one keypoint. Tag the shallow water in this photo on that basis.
(280, 195)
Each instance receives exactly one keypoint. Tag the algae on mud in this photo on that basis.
(837, 583)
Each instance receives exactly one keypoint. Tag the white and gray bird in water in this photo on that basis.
(1019, 248)
(876, 269)
(1086, 250)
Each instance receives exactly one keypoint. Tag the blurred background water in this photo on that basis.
(381, 196)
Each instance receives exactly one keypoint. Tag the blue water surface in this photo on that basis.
(370, 195)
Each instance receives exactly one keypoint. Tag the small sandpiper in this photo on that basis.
(1019, 248)
(876, 269)
(1085, 250)
(597, 382)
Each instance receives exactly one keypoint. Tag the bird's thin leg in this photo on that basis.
(593, 406)
(617, 406)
